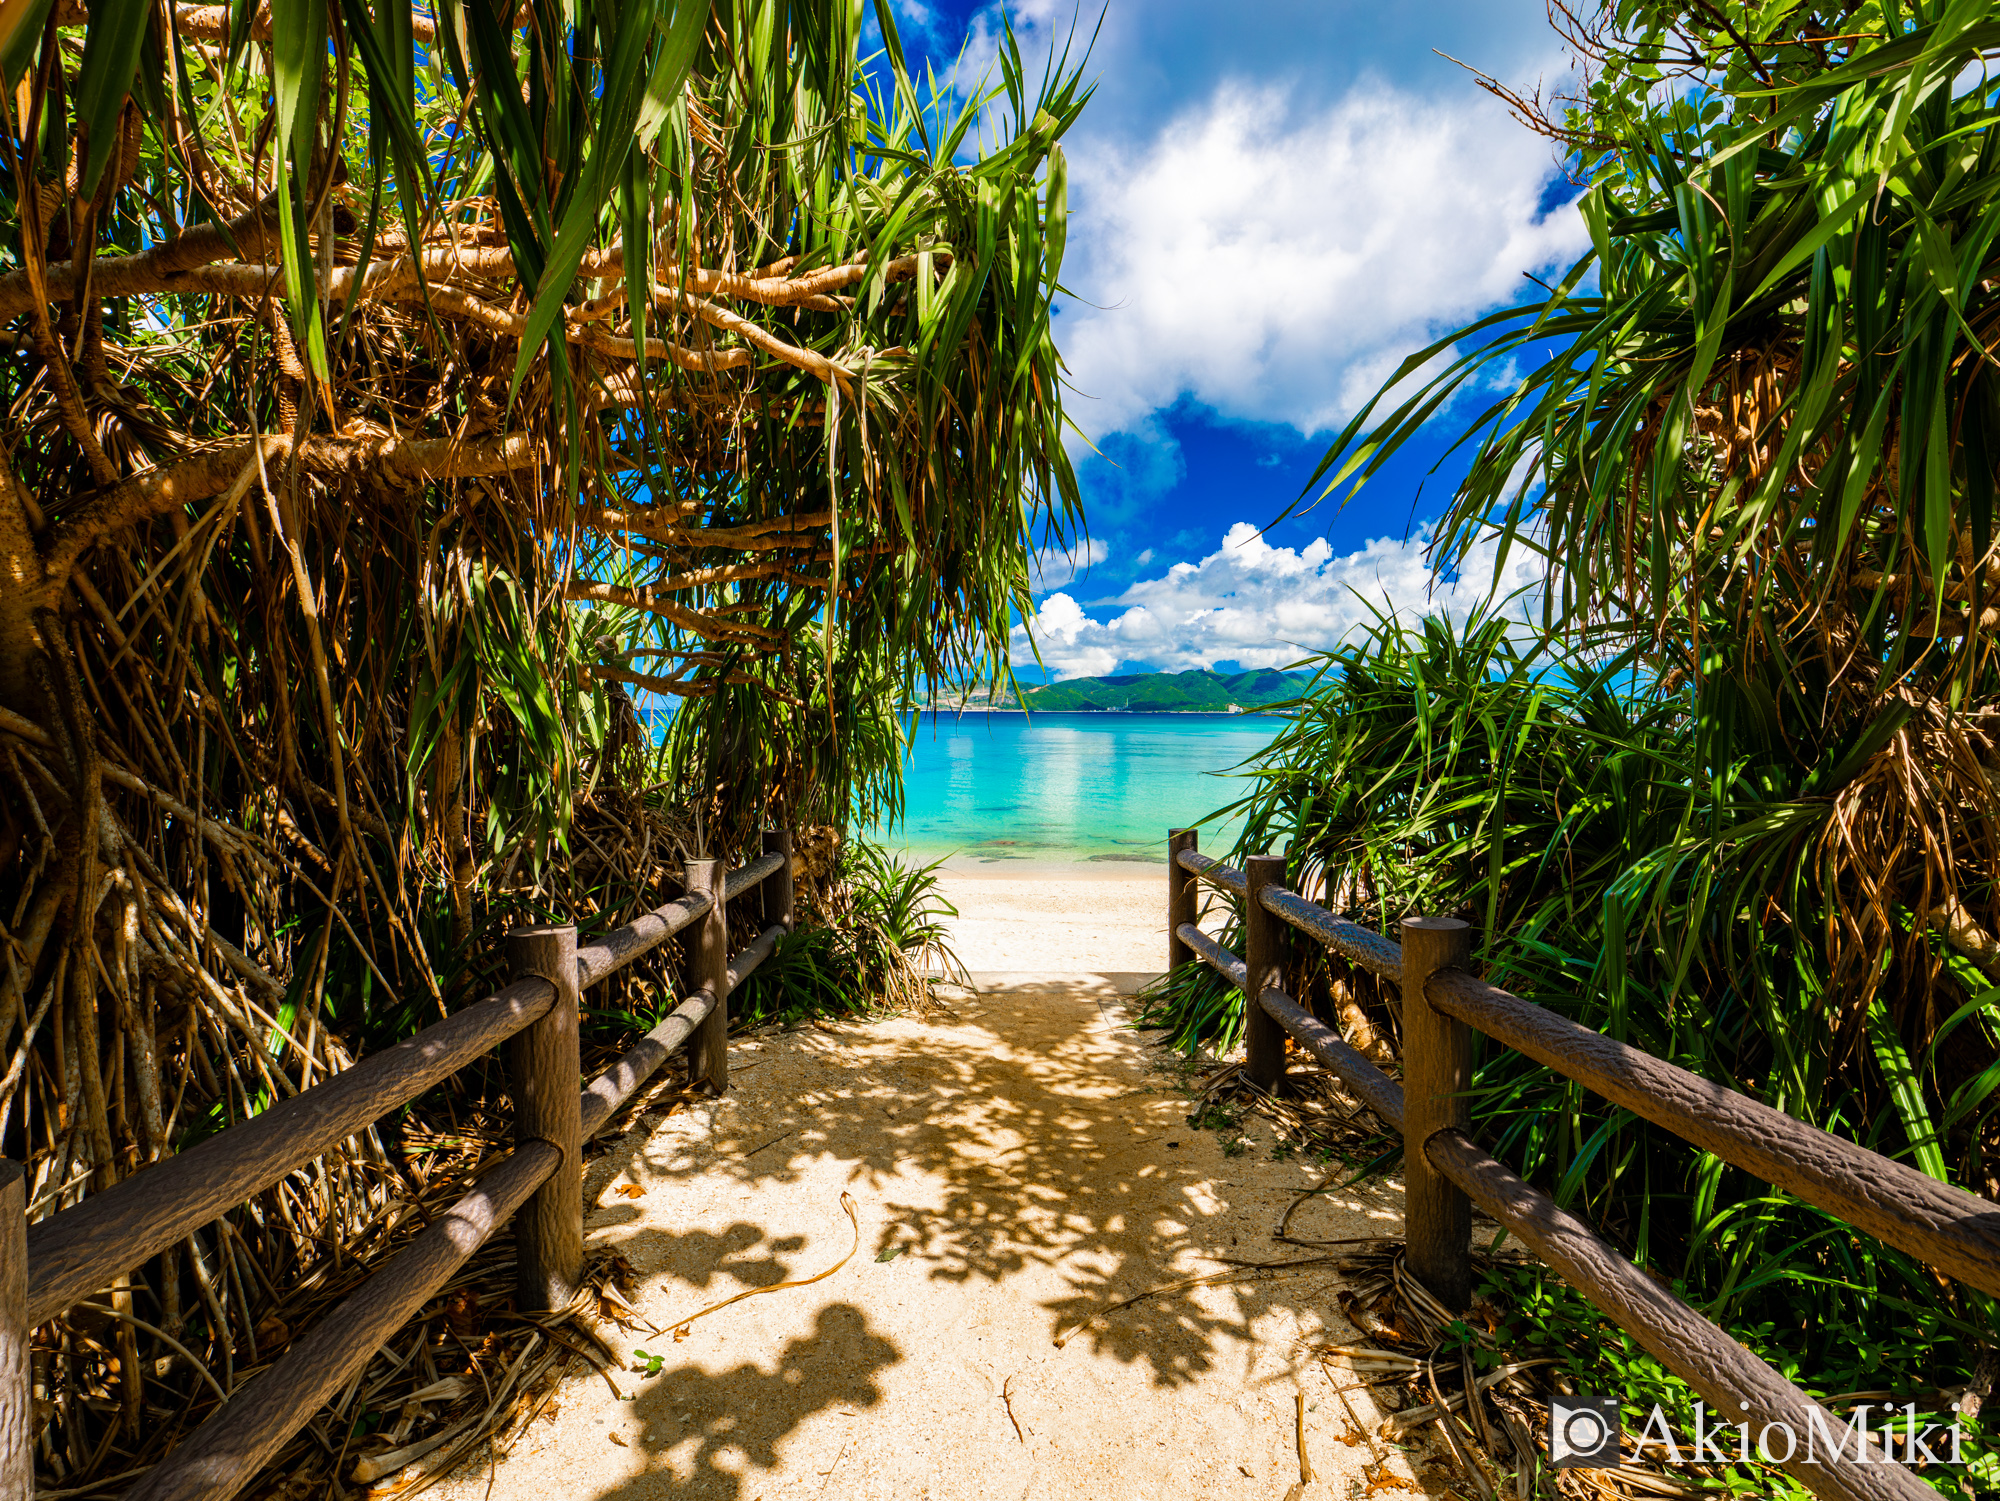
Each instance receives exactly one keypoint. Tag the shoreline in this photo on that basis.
(961, 712)
(961, 864)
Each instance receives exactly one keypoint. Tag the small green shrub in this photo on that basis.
(877, 940)
(1194, 1005)
(808, 974)
(899, 924)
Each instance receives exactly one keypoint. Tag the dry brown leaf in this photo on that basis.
(461, 1312)
(1378, 1478)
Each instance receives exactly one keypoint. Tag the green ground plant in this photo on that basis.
(877, 938)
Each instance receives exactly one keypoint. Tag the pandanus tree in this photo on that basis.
(1756, 448)
(391, 396)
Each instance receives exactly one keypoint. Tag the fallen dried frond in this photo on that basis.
(680, 1326)
(1424, 1380)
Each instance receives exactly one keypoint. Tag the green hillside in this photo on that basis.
(1196, 691)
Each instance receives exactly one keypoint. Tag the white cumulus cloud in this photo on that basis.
(1276, 260)
(1072, 644)
(1263, 606)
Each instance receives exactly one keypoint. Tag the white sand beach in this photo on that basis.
(1075, 919)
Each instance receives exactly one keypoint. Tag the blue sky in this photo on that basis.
(1271, 205)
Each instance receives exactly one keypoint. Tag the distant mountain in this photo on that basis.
(1195, 692)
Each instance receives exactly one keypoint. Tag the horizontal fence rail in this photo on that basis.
(1219, 958)
(638, 1063)
(1955, 1231)
(741, 880)
(1212, 870)
(1371, 951)
(75, 1253)
(642, 935)
(224, 1452)
(79, 1251)
(754, 954)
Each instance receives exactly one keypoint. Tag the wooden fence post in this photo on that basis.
(1264, 951)
(1180, 895)
(708, 1049)
(546, 1072)
(17, 1390)
(1437, 1070)
(777, 887)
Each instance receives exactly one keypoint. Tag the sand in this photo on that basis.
(1082, 921)
(1014, 1169)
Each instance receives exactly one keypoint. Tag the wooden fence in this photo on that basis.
(1446, 1172)
(58, 1263)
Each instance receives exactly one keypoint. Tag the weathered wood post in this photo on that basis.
(1264, 952)
(1180, 894)
(546, 1072)
(777, 887)
(17, 1391)
(1437, 1071)
(708, 1049)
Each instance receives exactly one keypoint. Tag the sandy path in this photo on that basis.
(1014, 1169)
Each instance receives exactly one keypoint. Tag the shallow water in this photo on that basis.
(1101, 789)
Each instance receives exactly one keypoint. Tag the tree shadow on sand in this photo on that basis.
(1029, 1111)
(708, 1430)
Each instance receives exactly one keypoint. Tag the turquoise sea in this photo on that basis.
(1100, 788)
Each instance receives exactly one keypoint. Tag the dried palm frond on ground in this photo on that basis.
(1420, 1364)
(1311, 1112)
(469, 1371)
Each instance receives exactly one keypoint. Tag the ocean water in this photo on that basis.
(987, 789)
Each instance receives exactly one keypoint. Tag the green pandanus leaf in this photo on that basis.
(21, 26)
(111, 45)
(628, 87)
(298, 71)
(1906, 1091)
